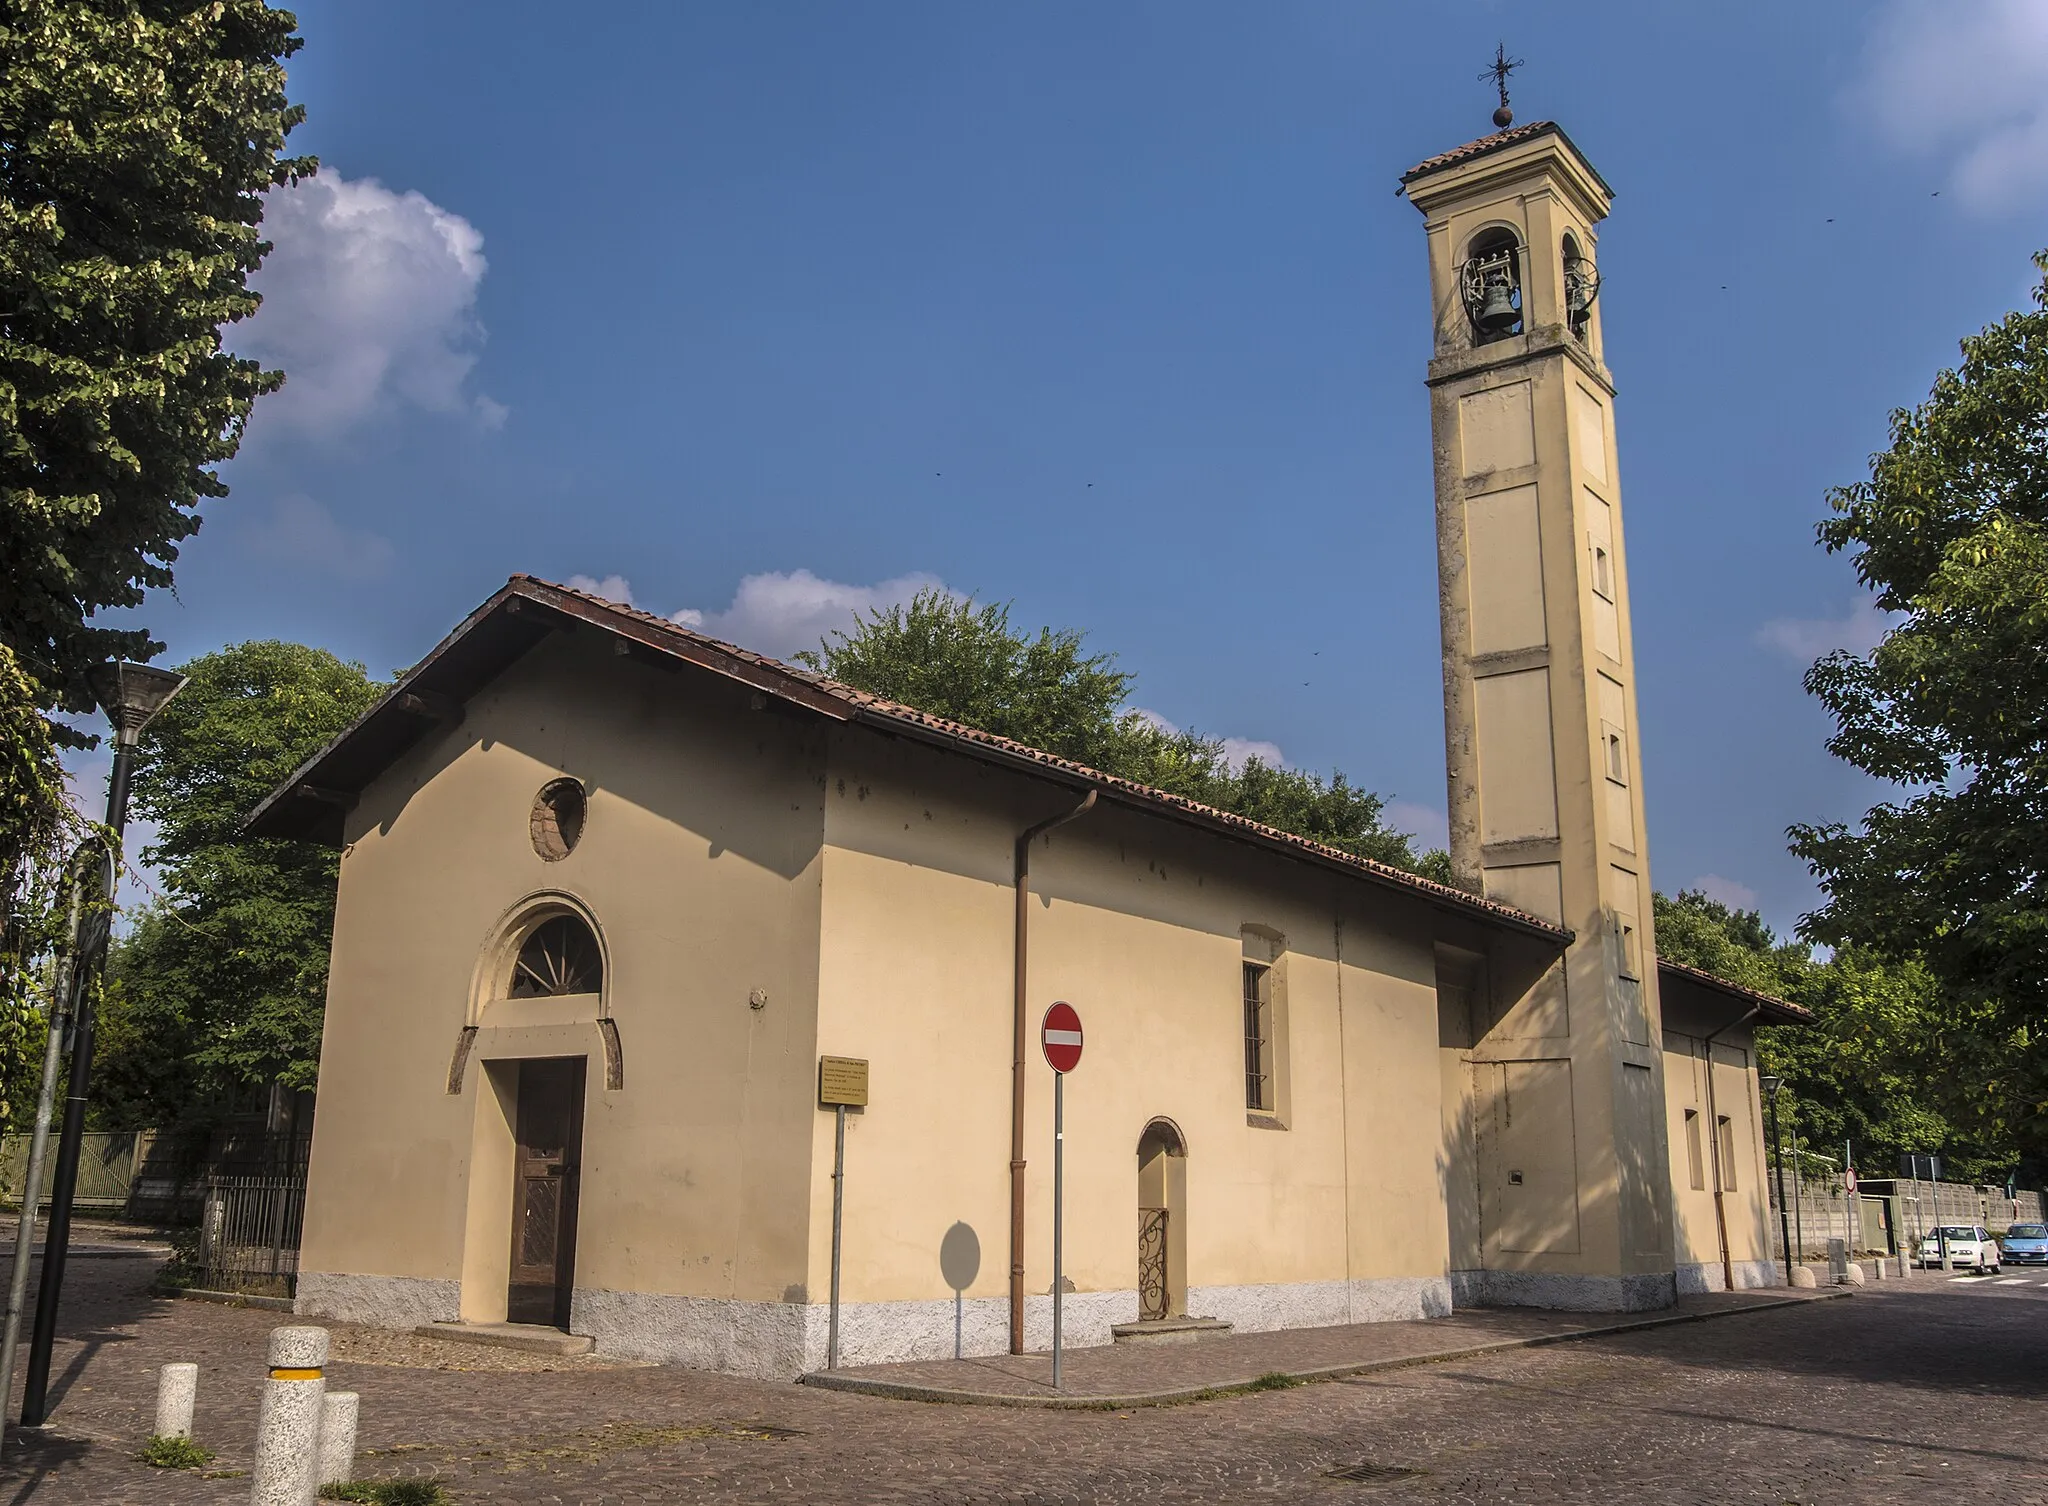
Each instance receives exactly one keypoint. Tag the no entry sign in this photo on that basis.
(1060, 1035)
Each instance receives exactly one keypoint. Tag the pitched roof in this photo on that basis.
(1770, 1009)
(310, 804)
(1499, 141)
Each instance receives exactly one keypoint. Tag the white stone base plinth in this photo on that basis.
(781, 1340)
(1707, 1276)
(1574, 1294)
(379, 1301)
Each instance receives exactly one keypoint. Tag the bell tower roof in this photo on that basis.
(1462, 164)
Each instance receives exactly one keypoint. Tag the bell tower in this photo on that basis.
(1561, 1130)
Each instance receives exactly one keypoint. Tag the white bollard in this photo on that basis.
(338, 1438)
(288, 1432)
(176, 1386)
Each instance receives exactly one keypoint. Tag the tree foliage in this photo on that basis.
(965, 661)
(1875, 1067)
(1951, 533)
(220, 987)
(36, 826)
(136, 140)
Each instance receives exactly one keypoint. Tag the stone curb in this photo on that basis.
(830, 1380)
(227, 1299)
(96, 1252)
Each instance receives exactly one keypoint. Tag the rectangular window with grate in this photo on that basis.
(1695, 1164)
(1725, 1134)
(1258, 1038)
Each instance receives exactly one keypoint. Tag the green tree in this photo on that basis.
(1871, 1068)
(219, 988)
(36, 825)
(136, 140)
(965, 661)
(1951, 533)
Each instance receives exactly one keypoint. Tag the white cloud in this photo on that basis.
(1966, 84)
(1237, 751)
(1429, 826)
(369, 300)
(779, 612)
(1735, 896)
(612, 588)
(300, 531)
(1859, 630)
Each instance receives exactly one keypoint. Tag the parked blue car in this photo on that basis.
(2026, 1244)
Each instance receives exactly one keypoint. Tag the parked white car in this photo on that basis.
(1969, 1249)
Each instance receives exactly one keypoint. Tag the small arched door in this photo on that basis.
(1162, 1222)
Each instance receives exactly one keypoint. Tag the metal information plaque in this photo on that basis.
(843, 1080)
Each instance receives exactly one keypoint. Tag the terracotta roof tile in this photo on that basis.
(358, 753)
(883, 709)
(1479, 148)
(1498, 141)
(1772, 1009)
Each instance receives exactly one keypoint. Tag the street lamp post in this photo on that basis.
(57, 1015)
(1771, 1085)
(130, 694)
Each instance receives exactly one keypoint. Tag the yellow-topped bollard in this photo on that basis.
(288, 1432)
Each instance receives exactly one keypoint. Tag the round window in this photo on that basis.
(558, 812)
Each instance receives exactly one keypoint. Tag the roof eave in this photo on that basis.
(1770, 1009)
(772, 678)
(1409, 886)
(1432, 184)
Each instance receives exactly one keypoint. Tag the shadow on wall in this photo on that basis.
(683, 747)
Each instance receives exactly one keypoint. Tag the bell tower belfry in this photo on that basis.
(1561, 1194)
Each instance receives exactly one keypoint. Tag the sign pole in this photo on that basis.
(842, 1083)
(1059, 1189)
(1060, 1038)
(838, 1200)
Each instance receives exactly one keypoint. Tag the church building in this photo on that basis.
(626, 912)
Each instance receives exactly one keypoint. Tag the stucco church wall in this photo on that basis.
(700, 864)
(1140, 925)
(1697, 1244)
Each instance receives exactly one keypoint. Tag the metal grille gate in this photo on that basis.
(1152, 1287)
(249, 1234)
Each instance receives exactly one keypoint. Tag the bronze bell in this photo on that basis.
(1497, 314)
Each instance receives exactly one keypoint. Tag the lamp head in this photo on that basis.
(131, 694)
(1770, 1083)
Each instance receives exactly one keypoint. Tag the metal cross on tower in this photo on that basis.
(1498, 71)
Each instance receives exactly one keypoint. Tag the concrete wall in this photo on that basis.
(1329, 1210)
(700, 867)
(1745, 1205)
(766, 889)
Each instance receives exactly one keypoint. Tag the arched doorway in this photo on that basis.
(543, 970)
(1162, 1222)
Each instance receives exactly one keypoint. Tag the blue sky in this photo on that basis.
(769, 311)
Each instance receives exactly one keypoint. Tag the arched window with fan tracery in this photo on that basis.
(559, 956)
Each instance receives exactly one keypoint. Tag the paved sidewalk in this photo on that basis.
(1136, 1375)
(1927, 1387)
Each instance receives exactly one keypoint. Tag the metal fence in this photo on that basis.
(156, 1175)
(1885, 1213)
(249, 1234)
(129, 1173)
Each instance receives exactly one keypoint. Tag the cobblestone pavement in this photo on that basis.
(1138, 1372)
(1902, 1389)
